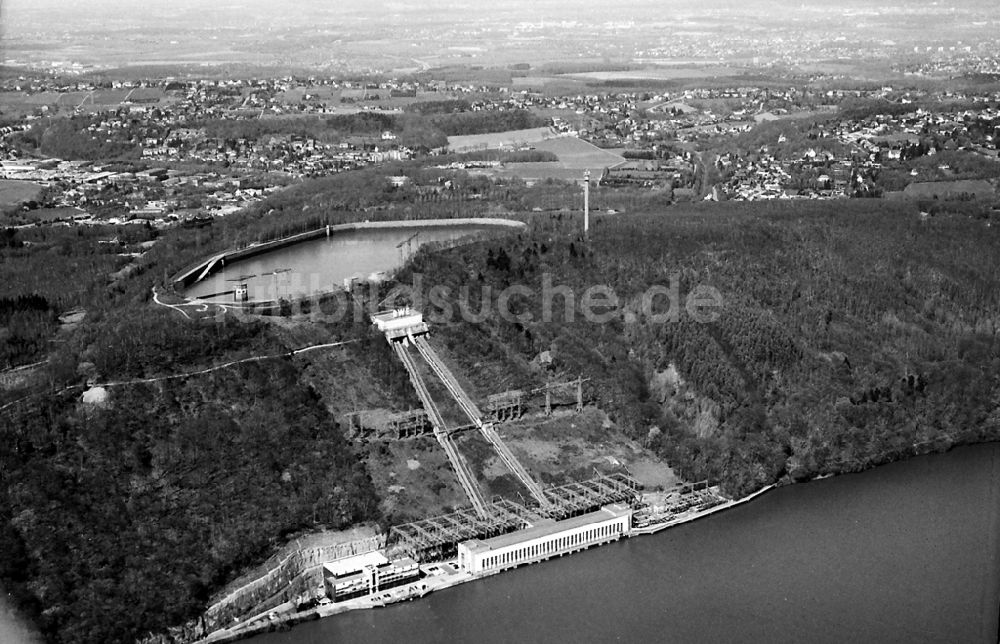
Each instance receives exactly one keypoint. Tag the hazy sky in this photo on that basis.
(95, 30)
(65, 13)
(65, 10)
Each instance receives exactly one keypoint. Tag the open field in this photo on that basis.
(577, 154)
(296, 94)
(13, 192)
(565, 447)
(951, 189)
(470, 142)
(47, 215)
(84, 99)
(660, 73)
(414, 479)
(549, 85)
(570, 446)
(540, 171)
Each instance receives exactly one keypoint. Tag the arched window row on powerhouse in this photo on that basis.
(546, 538)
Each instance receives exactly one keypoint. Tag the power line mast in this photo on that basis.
(408, 242)
(274, 276)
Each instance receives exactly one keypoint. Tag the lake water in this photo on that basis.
(908, 552)
(14, 629)
(322, 264)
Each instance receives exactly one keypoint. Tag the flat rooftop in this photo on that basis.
(396, 314)
(355, 563)
(546, 527)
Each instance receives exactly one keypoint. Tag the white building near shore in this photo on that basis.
(546, 538)
(397, 323)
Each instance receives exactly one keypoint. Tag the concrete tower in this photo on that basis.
(586, 202)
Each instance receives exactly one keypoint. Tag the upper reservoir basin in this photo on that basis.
(321, 263)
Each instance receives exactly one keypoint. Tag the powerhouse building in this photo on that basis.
(371, 578)
(544, 539)
(398, 323)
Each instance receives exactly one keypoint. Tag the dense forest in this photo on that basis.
(26, 322)
(77, 137)
(422, 126)
(851, 333)
(425, 126)
(948, 165)
(122, 516)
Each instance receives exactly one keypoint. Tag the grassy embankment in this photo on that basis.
(14, 193)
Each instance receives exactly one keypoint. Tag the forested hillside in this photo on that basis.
(424, 126)
(851, 333)
(122, 517)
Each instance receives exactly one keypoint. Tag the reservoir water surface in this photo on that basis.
(323, 264)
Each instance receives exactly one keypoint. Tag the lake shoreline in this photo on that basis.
(206, 266)
(366, 603)
(287, 622)
(13, 618)
(891, 547)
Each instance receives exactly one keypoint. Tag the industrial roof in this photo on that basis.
(355, 563)
(546, 527)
